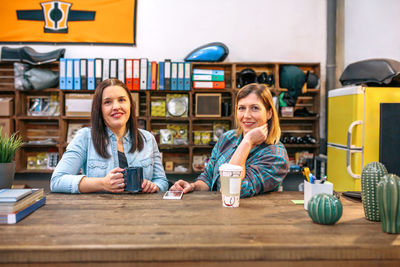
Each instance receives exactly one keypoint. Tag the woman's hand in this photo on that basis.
(114, 181)
(183, 186)
(149, 187)
(257, 135)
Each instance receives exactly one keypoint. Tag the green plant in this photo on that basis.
(8, 146)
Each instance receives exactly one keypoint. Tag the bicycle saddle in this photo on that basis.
(29, 55)
(379, 71)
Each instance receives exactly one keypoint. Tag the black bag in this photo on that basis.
(26, 78)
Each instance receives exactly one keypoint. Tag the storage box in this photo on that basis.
(314, 189)
(6, 106)
(287, 112)
(78, 105)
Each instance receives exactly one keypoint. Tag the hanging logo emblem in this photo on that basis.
(56, 15)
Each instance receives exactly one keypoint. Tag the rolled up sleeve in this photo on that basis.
(65, 178)
(265, 172)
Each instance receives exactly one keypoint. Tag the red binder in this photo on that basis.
(213, 85)
(153, 75)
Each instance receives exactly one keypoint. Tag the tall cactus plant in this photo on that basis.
(370, 177)
(389, 203)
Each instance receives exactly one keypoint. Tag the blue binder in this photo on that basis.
(90, 74)
(148, 75)
(63, 73)
(77, 74)
(70, 74)
(161, 75)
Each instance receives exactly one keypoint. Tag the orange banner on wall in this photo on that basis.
(73, 21)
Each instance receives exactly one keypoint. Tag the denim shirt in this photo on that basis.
(81, 155)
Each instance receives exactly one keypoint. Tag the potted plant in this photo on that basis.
(8, 146)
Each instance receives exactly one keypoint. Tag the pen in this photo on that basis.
(312, 178)
(306, 173)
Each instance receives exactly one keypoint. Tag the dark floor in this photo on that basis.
(42, 180)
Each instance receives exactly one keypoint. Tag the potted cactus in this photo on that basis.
(8, 146)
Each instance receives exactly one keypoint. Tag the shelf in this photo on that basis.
(212, 118)
(77, 91)
(36, 92)
(301, 145)
(4, 87)
(34, 171)
(47, 118)
(168, 118)
(172, 172)
(202, 146)
(313, 118)
(210, 90)
(75, 118)
(26, 145)
(297, 131)
(172, 146)
(309, 91)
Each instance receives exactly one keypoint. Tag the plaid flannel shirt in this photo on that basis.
(266, 165)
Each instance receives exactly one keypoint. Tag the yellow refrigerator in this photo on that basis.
(363, 126)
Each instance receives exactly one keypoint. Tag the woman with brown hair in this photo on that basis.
(112, 144)
(254, 145)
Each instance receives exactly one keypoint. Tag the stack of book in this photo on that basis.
(16, 204)
(208, 78)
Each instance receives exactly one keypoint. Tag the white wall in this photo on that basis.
(371, 30)
(253, 30)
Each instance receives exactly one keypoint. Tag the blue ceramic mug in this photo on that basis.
(133, 179)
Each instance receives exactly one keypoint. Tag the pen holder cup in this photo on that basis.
(314, 189)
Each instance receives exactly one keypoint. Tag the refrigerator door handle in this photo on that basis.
(352, 149)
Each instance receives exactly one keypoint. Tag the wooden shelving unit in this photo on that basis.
(295, 126)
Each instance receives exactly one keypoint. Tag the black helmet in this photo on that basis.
(266, 79)
(246, 76)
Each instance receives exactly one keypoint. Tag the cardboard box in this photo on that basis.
(6, 106)
(287, 112)
(6, 125)
(79, 105)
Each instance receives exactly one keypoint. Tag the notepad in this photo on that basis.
(13, 195)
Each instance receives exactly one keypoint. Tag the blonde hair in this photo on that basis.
(264, 94)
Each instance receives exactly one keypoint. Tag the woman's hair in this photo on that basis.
(264, 94)
(99, 128)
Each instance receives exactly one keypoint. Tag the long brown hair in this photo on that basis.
(99, 128)
(263, 93)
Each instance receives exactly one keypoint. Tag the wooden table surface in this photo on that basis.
(144, 228)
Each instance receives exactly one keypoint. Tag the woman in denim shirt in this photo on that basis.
(113, 141)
